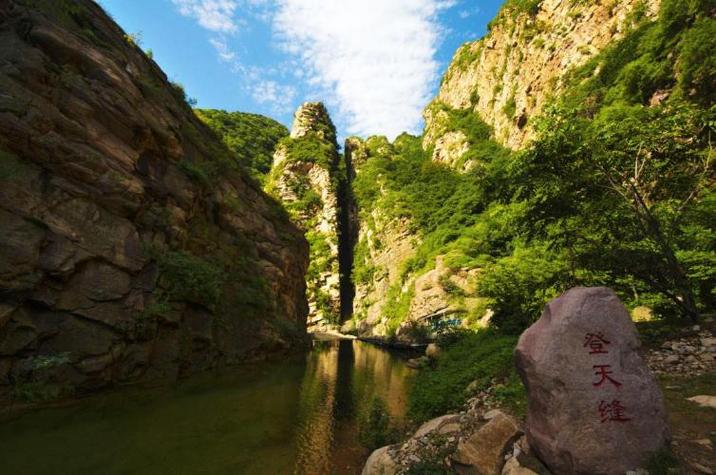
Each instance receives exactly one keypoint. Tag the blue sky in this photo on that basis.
(375, 63)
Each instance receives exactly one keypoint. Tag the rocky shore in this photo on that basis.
(484, 438)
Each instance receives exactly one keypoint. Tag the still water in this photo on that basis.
(297, 416)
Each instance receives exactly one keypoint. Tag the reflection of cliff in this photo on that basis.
(377, 373)
(314, 439)
(340, 381)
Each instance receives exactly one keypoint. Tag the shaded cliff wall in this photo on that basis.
(134, 246)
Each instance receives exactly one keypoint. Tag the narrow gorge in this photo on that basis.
(187, 289)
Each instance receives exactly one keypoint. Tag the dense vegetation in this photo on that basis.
(251, 137)
(617, 190)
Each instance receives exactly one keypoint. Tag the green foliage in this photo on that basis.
(39, 391)
(466, 55)
(663, 462)
(179, 92)
(478, 357)
(252, 138)
(204, 173)
(417, 332)
(311, 148)
(520, 284)
(191, 278)
(697, 61)
(134, 39)
(613, 192)
(510, 107)
(37, 383)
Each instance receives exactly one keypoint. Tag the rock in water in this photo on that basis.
(594, 406)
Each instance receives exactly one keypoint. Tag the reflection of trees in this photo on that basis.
(341, 380)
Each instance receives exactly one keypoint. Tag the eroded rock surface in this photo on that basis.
(508, 76)
(308, 177)
(593, 405)
(133, 247)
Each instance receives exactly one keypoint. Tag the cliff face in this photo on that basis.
(490, 92)
(309, 178)
(134, 247)
(391, 298)
(507, 77)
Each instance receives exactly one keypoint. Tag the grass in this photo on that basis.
(483, 357)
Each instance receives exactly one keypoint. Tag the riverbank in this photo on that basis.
(684, 360)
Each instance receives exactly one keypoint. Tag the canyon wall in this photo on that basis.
(488, 98)
(310, 179)
(134, 246)
(507, 77)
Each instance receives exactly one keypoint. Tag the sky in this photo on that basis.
(376, 64)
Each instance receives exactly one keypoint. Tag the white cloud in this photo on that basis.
(468, 13)
(278, 96)
(214, 15)
(223, 50)
(374, 58)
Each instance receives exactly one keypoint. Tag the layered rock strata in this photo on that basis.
(133, 247)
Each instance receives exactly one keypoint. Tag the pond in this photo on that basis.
(297, 416)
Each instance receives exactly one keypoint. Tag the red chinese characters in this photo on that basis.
(603, 371)
(596, 343)
(613, 411)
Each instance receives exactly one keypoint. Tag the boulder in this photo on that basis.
(483, 453)
(434, 424)
(432, 351)
(513, 467)
(380, 463)
(593, 405)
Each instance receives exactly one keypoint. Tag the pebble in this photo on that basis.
(686, 356)
(704, 442)
(701, 469)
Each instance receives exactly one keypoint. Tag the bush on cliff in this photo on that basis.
(251, 137)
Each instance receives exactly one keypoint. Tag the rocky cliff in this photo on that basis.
(134, 246)
(414, 262)
(396, 290)
(508, 76)
(310, 178)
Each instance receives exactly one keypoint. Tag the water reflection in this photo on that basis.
(341, 380)
(296, 416)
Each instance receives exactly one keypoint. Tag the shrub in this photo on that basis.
(697, 61)
(251, 138)
(482, 356)
(191, 278)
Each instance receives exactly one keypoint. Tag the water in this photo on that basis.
(292, 417)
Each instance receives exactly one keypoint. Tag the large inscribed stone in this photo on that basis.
(594, 406)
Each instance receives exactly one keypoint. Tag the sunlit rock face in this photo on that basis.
(133, 247)
(508, 76)
(310, 179)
